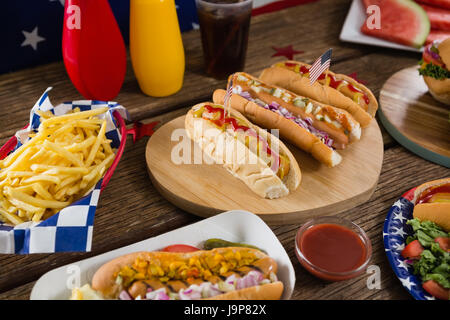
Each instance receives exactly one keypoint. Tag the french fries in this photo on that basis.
(61, 162)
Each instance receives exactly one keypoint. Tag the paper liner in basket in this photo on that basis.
(71, 228)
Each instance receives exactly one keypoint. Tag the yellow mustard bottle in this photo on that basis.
(156, 47)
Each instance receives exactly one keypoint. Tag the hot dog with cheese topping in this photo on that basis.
(222, 273)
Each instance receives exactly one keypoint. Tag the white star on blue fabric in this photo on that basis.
(195, 26)
(32, 38)
(407, 283)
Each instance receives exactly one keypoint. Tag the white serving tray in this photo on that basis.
(235, 226)
(351, 31)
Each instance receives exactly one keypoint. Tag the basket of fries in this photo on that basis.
(52, 173)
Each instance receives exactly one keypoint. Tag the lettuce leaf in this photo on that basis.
(426, 264)
(434, 263)
(426, 231)
(434, 71)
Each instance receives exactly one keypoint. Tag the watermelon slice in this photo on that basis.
(437, 35)
(439, 18)
(445, 4)
(402, 21)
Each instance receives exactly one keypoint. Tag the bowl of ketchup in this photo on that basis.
(333, 248)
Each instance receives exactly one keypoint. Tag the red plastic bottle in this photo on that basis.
(93, 49)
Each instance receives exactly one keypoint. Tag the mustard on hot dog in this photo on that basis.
(222, 273)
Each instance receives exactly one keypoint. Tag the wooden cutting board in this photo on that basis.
(208, 189)
(414, 118)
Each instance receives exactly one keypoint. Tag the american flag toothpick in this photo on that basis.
(227, 99)
(319, 66)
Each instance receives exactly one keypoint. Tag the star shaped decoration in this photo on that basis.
(287, 52)
(398, 204)
(429, 297)
(402, 264)
(398, 231)
(141, 130)
(399, 216)
(32, 38)
(195, 26)
(407, 283)
(398, 246)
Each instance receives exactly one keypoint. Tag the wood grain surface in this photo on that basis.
(208, 189)
(131, 209)
(420, 121)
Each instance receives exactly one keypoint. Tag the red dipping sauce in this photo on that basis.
(332, 248)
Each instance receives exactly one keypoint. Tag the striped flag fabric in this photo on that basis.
(319, 66)
(226, 99)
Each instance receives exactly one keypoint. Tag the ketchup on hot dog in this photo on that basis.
(438, 194)
(330, 79)
(280, 163)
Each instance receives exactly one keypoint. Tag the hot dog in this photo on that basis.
(251, 154)
(312, 126)
(221, 274)
(333, 89)
(432, 202)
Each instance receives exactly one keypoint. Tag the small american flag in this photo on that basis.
(226, 99)
(319, 66)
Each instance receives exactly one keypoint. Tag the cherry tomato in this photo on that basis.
(412, 250)
(436, 290)
(180, 248)
(444, 243)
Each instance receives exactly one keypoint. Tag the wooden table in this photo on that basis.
(131, 209)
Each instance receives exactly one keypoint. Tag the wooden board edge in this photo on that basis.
(412, 146)
(272, 219)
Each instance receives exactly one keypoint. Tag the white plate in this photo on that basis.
(351, 31)
(236, 226)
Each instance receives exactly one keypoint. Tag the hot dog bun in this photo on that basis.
(270, 291)
(438, 212)
(289, 130)
(259, 177)
(104, 280)
(333, 121)
(295, 82)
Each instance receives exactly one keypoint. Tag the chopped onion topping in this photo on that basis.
(304, 123)
(207, 289)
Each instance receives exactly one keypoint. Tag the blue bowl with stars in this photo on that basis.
(395, 232)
